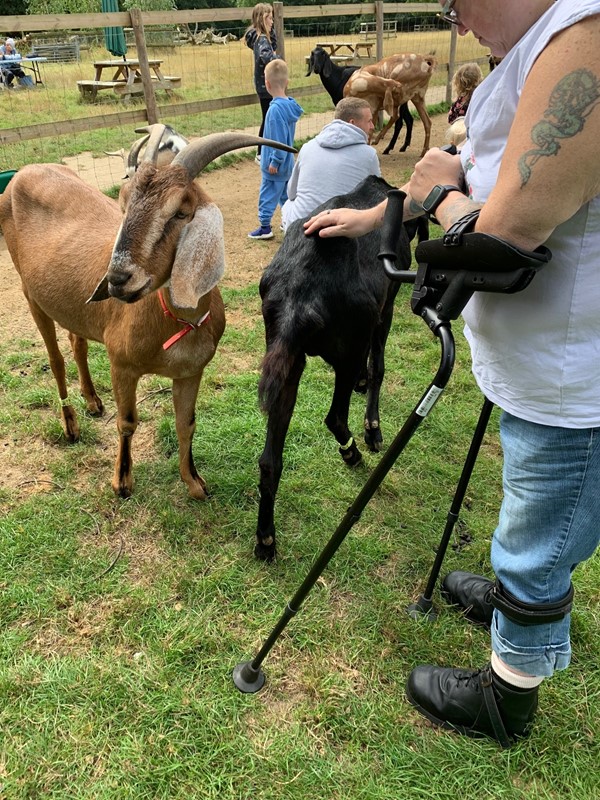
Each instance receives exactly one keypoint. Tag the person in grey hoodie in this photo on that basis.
(334, 162)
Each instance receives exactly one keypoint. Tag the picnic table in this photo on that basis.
(356, 49)
(126, 79)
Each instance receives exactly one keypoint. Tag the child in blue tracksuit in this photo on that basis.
(276, 165)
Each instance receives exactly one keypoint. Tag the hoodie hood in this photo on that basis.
(341, 134)
(289, 109)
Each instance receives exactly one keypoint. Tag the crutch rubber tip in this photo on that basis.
(247, 678)
(422, 608)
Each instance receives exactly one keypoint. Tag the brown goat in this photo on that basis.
(155, 262)
(389, 83)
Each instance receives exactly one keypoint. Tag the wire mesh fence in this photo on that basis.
(208, 79)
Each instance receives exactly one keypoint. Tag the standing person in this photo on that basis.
(12, 70)
(260, 38)
(334, 162)
(466, 79)
(276, 165)
(531, 167)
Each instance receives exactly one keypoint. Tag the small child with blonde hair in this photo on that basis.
(276, 165)
(466, 79)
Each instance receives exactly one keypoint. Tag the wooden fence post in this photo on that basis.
(451, 62)
(278, 20)
(379, 29)
(142, 53)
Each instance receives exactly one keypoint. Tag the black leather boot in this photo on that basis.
(471, 593)
(472, 702)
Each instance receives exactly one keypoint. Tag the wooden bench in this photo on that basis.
(89, 89)
(370, 29)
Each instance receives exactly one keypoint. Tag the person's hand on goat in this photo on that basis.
(345, 222)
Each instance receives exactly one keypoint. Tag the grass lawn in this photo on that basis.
(121, 621)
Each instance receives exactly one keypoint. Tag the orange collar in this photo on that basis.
(188, 326)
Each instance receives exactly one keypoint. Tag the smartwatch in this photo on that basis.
(435, 197)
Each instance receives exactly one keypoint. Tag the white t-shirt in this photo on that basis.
(536, 354)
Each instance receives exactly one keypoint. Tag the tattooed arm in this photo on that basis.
(550, 166)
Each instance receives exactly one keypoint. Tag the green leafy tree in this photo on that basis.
(62, 6)
(92, 6)
(13, 7)
(149, 5)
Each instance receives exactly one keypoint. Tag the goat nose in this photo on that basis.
(118, 278)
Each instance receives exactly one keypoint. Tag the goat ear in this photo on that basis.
(200, 258)
(388, 102)
(326, 68)
(100, 292)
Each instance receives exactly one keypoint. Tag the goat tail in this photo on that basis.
(276, 367)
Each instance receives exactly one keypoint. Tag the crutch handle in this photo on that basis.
(390, 236)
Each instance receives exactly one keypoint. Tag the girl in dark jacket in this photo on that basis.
(260, 37)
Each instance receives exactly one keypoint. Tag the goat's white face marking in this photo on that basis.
(425, 67)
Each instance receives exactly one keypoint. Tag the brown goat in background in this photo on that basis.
(155, 263)
(389, 83)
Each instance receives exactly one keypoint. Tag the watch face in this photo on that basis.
(434, 198)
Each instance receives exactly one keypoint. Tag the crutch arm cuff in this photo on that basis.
(530, 613)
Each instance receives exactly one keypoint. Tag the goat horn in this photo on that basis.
(202, 151)
(134, 152)
(156, 134)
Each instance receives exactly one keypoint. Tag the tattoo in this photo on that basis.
(572, 100)
(414, 208)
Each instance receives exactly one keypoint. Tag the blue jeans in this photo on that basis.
(271, 193)
(549, 522)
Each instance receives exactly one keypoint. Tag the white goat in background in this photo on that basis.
(154, 262)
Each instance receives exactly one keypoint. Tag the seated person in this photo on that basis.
(334, 162)
(9, 64)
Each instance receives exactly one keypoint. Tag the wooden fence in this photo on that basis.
(139, 21)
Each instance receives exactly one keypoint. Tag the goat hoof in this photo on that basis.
(265, 552)
(95, 407)
(387, 151)
(198, 491)
(374, 440)
(70, 424)
(352, 455)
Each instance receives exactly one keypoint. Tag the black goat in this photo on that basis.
(334, 79)
(327, 298)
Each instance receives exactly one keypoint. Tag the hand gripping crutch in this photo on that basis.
(449, 271)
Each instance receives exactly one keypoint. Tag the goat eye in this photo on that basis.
(180, 215)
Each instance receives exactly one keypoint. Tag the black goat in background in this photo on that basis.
(327, 298)
(334, 79)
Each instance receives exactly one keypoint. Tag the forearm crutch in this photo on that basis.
(449, 271)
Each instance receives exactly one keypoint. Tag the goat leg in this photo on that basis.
(47, 328)
(404, 118)
(79, 346)
(185, 393)
(419, 104)
(124, 388)
(337, 417)
(373, 435)
(281, 408)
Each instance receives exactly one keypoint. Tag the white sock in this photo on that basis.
(508, 675)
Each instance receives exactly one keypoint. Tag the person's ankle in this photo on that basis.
(512, 678)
